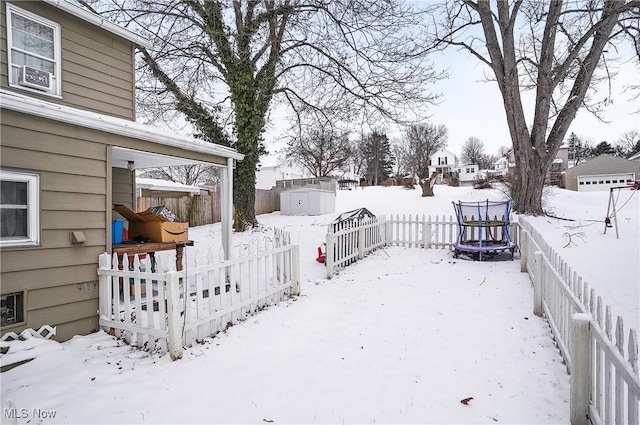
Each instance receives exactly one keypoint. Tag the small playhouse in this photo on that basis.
(483, 229)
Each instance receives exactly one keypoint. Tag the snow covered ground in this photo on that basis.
(400, 337)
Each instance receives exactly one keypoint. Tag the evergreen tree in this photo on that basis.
(576, 150)
(604, 147)
(378, 157)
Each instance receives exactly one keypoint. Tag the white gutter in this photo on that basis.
(53, 111)
(97, 20)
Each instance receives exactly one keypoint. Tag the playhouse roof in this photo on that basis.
(358, 213)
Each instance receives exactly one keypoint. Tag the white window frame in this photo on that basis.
(56, 86)
(33, 208)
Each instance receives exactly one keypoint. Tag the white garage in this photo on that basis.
(307, 201)
(603, 181)
(601, 173)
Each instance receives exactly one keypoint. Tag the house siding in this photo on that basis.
(77, 187)
(59, 278)
(123, 188)
(97, 66)
(77, 181)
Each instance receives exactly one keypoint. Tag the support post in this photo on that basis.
(538, 281)
(226, 209)
(328, 258)
(360, 242)
(174, 335)
(295, 269)
(580, 369)
(523, 243)
(104, 287)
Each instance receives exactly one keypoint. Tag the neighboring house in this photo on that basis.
(70, 148)
(442, 162)
(467, 174)
(271, 169)
(601, 173)
(501, 166)
(635, 157)
(561, 162)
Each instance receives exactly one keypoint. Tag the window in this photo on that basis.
(19, 211)
(11, 308)
(34, 55)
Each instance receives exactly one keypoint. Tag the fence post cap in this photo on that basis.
(581, 317)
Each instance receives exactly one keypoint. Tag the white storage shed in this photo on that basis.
(307, 201)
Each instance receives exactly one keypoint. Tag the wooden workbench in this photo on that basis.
(151, 248)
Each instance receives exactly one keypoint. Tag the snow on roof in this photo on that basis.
(165, 185)
(270, 161)
(99, 21)
(37, 107)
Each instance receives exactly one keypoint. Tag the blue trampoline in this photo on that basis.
(483, 229)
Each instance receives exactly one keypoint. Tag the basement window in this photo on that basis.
(12, 309)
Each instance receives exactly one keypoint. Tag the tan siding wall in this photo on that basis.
(97, 66)
(4, 82)
(59, 278)
(123, 187)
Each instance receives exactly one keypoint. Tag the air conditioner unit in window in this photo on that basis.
(34, 78)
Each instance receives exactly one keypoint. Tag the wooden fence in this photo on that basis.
(164, 310)
(605, 385)
(202, 209)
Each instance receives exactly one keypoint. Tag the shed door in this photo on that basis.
(603, 182)
(299, 203)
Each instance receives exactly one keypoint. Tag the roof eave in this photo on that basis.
(99, 21)
(28, 105)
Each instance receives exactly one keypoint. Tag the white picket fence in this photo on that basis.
(605, 385)
(351, 240)
(165, 310)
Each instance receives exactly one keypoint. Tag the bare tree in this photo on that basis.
(629, 143)
(421, 142)
(320, 150)
(358, 160)
(223, 64)
(472, 151)
(399, 151)
(556, 48)
(503, 150)
(195, 175)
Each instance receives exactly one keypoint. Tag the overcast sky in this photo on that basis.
(473, 107)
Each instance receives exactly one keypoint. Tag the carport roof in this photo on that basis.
(33, 106)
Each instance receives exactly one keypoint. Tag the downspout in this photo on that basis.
(227, 208)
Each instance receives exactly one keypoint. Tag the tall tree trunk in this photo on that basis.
(248, 130)
(534, 152)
